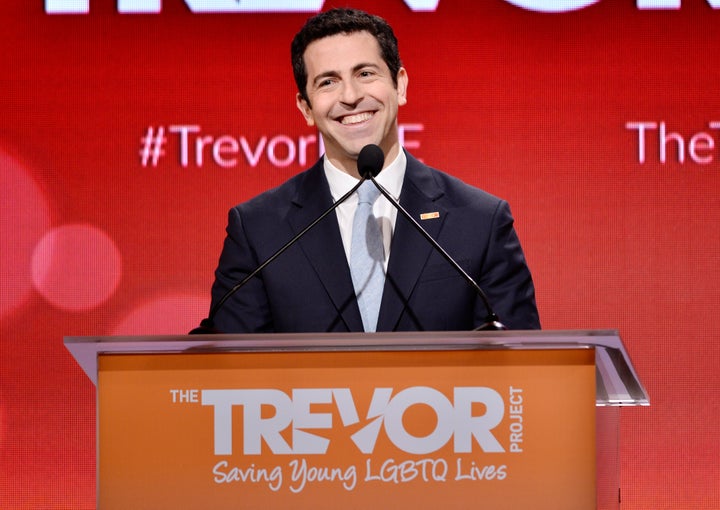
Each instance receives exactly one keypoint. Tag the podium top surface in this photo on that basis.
(617, 381)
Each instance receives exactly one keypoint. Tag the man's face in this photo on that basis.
(353, 99)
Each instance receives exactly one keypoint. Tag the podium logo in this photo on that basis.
(454, 419)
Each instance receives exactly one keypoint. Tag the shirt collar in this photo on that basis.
(390, 178)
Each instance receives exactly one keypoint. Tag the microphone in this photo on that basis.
(369, 170)
(370, 162)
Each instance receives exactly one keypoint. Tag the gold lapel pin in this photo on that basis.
(429, 215)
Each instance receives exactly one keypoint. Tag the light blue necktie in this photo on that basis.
(366, 257)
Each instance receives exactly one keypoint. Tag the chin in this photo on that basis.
(358, 146)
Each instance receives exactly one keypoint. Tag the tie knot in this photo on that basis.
(367, 193)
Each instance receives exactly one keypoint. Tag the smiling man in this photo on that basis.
(351, 84)
(350, 94)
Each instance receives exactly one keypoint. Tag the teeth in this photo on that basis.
(354, 119)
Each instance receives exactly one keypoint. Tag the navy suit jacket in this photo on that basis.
(309, 288)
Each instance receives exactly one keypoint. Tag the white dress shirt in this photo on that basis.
(391, 178)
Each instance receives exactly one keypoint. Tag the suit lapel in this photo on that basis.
(323, 245)
(409, 251)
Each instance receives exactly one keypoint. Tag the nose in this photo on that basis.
(351, 93)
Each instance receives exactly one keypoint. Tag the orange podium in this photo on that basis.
(411, 420)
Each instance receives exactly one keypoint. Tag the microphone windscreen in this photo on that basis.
(370, 160)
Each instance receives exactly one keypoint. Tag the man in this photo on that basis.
(351, 84)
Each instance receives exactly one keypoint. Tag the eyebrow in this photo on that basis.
(335, 74)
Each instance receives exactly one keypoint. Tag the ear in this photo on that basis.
(305, 109)
(402, 84)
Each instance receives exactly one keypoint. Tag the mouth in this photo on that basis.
(358, 118)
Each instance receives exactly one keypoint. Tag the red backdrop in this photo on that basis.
(126, 137)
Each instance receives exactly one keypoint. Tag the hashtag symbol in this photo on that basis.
(151, 149)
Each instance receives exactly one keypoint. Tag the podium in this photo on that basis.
(524, 419)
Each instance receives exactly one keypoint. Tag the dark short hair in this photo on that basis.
(343, 21)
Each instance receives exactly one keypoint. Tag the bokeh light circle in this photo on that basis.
(76, 267)
(24, 218)
(169, 315)
(2, 425)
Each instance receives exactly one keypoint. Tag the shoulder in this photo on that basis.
(450, 190)
(277, 201)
